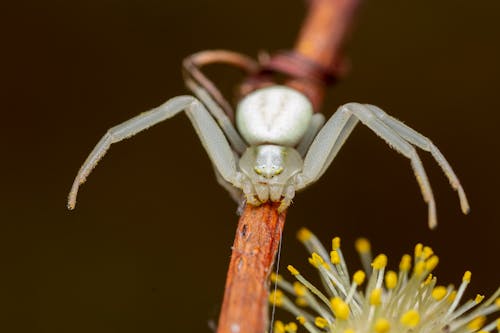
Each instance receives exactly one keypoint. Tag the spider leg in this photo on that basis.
(393, 139)
(331, 138)
(207, 129)
(234, 192)
(192, 70)
(219, 115)
(325, 146)
(317, 122)
(426, 144)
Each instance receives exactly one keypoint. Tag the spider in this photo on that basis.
(274, 145)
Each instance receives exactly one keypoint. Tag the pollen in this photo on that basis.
(376, 297)
(279, 327)
(439, 293)
(334, 257)
(410, 319)
(291, 327)
(276, 297)
(405, 263)
(293, 270)
(363, 245)
(336, 243)
(320, 322)
(382, 325)
(275, 277)
(391, 280)
(340, 308)
(476, 323)
(431, 263)
(304, 235)
(299, 289)
(390, 301)
(359, 277)
(418, 251)
(380, 262)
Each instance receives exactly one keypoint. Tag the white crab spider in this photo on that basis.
(279, 146)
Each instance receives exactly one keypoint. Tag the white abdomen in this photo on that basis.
(276, 115)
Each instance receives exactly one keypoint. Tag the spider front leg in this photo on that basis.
(330, 139)
(207, 129)
(424, 143)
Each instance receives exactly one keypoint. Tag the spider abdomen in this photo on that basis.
(274, 115)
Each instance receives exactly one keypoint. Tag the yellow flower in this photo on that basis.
(392, 301)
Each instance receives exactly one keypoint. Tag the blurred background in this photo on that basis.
(147, 248)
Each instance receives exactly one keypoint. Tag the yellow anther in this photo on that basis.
(418, 251)
(476, 323)
(301, 320)
(410, 318)
(312, 262)
(304, 235)
(478, 299)
(439, 293)
(419, 268)
(276, 297)
(452, 296)
(291, 327)
(299, 289)
(428, 279)
(359, 277)
(498, 325)
(405, 264)
(431, 263)
(275, 277)
(279, 327)
(380, 262)
(320, 322)
(334, 257)
(362, 245)
(391, 279)
(301, 301)
(340, 308)
(376, 296)
(427, 252)
(349, 330)
(497, 302)
(382, 325)
(293, 270)
(335, 243)
(316, 260)
(467, 276)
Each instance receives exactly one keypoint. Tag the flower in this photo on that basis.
(392, 302)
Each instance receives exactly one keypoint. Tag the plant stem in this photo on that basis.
(257, 239)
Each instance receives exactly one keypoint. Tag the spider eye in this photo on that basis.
(257, 170)
(278, 171)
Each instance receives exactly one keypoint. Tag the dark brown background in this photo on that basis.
(147, 248)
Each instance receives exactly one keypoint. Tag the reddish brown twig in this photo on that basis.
(244, 308)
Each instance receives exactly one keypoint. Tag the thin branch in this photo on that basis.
(258, 235)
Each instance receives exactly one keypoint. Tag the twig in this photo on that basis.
(244, 308)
